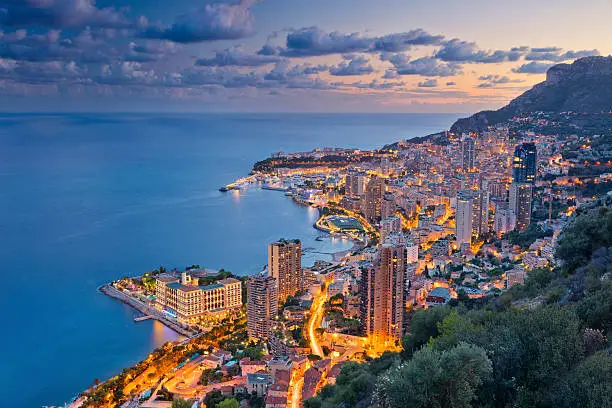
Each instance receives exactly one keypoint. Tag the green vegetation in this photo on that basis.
(586, 234)
(526, 238)
(542, 344)
(228, 403)
(180, 403)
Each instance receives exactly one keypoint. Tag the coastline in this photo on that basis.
(110, 291)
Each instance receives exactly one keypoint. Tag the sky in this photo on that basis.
(424, 56)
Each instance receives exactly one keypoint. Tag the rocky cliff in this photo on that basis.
(583, 86)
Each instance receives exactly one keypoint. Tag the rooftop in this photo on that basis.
(211, 287)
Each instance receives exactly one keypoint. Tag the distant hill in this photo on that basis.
(583, 86)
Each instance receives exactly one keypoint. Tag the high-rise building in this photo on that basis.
(355, 184)
(480, 224)
(384, 296)
(524, 163)
(505, 221)
(285, 265)
(387, 206)
(374, 193)
(467, 153)
(520, 203)
(262, 306)
(464, 218)
(389, 226)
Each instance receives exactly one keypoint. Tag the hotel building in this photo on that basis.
(187, 301)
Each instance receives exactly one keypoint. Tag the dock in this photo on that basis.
(146, 310)
(142, 317)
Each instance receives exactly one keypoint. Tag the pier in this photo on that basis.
(146, 310)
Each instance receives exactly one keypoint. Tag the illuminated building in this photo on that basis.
(480, 224)
(467, 153)
(355, 184)
(464, 215)
(390, 225)
(524, 163)
(387, 206)
(372, 205)
(520, 202)
(285, 265)
(412, 252)
(383, 296)
(187, 301)
(505, 221)
(262, 306)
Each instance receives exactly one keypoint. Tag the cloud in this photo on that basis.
(269, 49)
(426, 66)
(150, 51)
(456, 50)
(356, 65)
(492, 80)
(83, 48)
(570, 55)
(377, 85)
(429, 83)
(283, 71)
(557, 55)
(237, 56)
(403, 41)
(215, 21)
(532, 68)
(60, 14)
(313, 41)
(451, 83)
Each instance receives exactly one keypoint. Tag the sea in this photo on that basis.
(88, 198)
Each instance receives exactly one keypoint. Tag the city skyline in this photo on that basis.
(270, 56)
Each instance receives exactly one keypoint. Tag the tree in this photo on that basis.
(432, 379)
(423, 326)
(179, 402)
(228, 403)
(213, 398)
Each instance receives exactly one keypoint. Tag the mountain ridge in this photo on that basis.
(583, 86)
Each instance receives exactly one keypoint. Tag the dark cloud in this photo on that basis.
(311, 41)
(426, 66)
(150, 51)
(83, 48)
(492, 80)
(570, 55)
(60, 14)
(353, 65)
(451, 83)
(269, 49)
(557, 55)
(237, 56)
(377, 85)
(456, 50)
(215, 21)
(403, 41)
(429, 83)
(314, 41)
(283, 71)
(532, 68)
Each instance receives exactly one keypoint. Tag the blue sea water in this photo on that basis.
(87, 198)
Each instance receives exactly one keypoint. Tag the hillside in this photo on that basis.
(541, 344)
(583, 86)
